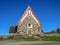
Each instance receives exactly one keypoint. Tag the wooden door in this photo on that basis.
(29, 32)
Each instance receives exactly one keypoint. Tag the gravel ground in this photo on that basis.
(29, 43)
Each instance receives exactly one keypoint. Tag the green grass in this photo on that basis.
(26, 39)
(42, 38)
(50, 38)
(22, 39)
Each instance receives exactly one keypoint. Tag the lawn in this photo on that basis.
(50, 38)
(42, 38)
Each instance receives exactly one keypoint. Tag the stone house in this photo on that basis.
(27, 25)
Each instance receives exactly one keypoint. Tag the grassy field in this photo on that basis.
(42, 38)
(50, 38)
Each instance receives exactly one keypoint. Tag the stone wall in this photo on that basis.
(36, 28)
(51, 34)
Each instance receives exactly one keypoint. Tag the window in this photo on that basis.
(29, 25)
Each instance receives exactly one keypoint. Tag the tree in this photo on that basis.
(58, 30)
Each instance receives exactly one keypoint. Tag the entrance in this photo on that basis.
(29, 32)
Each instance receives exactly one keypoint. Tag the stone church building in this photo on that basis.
(27, 25)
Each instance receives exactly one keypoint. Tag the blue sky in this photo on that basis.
(47, 11)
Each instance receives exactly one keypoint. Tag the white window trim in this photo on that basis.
(29, 26)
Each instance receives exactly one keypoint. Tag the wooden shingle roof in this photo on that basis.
(13, 29)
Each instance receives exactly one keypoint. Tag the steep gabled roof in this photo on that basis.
(27, 12)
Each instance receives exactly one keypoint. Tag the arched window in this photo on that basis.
(29, 25)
